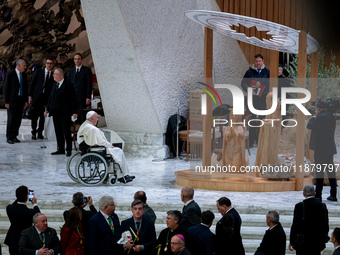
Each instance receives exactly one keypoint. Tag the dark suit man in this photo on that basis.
(202, 240)
(105, 231)
(15, 98)
(38, 94)
(322, 142)
(228, 229)
(39, 238)
(191, 213)
(20, 217)
(142, 229)
(274, 240)
(148, 211)
(335, 239)
(81, 78)
(310, 220)
(61, 105)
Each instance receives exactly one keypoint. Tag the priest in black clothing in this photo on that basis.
(163, 243)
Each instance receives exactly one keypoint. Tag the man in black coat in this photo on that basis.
(201, 241)
(61, 105)
(38, 94)
(148, 211)
(20, 217)
(274, 240)
(105, 231)
(257, 77)
(322, 142)
(15, 98)
(335, 239)
(191, 213)
(228, 229)
(81, 78)
(311, 221)
(142, 229)
(39, 239)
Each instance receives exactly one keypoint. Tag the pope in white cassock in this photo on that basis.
(92, 135)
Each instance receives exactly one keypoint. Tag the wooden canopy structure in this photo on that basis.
(283, 39)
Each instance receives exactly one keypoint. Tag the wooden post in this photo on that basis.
(207, 119)
(300, 130)
(313, 91)
(274, 70)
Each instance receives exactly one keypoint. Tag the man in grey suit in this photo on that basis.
(191, 213)
(148, 212)
(39, 239)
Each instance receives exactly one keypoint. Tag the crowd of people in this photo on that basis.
(187, 232)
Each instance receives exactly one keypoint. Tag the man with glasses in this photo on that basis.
(38, 93)
(105, 231)
(61, 105)
(178, 245)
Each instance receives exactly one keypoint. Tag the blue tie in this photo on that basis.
(258, 70)
(21, 84)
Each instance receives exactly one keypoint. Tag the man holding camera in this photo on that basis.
(20, 217)
(322, 142)
(80, 201)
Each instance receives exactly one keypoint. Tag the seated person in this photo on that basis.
(91, 135)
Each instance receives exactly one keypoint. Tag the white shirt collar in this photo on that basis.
(105, 215)
(37, 230)
(61, 83)
(273, 227)
(78, 67)
(229, 209)
(188, 202)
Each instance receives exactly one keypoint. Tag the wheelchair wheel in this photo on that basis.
(71, 166)
(113, 180)
(91, 169)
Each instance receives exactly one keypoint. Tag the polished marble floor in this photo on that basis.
(26, 163)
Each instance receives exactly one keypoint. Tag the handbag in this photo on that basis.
(29, 112)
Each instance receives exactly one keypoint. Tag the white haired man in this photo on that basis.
(91, 135)
(105, 230)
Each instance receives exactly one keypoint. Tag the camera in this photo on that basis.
(86, 199)
(331, 104)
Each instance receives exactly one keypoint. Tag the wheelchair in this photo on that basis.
(90, 166)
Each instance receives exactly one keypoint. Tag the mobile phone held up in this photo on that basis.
(30, 195)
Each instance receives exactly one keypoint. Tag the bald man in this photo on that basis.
(91, 135)
(191, 213)
(178, 245)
